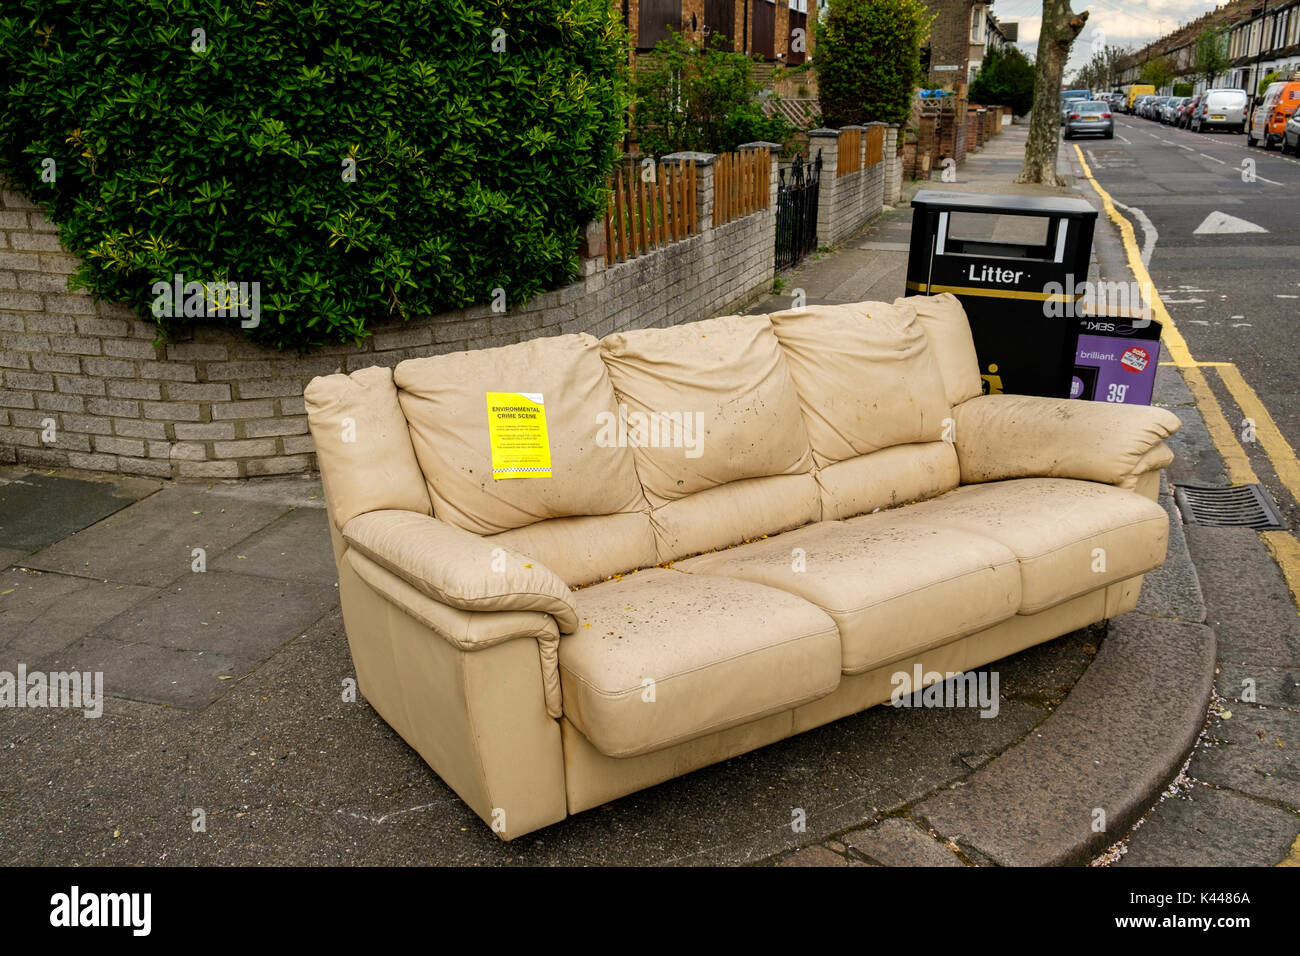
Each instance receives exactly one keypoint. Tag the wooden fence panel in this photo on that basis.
(875, 145)
(643, 216)
(849, 157)
(741, 184)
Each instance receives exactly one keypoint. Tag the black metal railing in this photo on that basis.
(796, 210)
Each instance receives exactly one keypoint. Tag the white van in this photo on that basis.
(1220, 109)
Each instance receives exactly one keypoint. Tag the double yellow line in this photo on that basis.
(1283, 546)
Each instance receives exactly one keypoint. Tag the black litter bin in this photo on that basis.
(1015, 262)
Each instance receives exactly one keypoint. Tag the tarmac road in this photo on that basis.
(1232, 285)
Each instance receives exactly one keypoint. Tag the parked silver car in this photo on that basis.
(1169, 112)
(1291, 134)
(1221, 108)
(1069, 98)
(1089, 116)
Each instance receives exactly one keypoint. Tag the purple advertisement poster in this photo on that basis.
(1116, 361)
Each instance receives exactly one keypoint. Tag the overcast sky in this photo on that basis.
(1132, 24)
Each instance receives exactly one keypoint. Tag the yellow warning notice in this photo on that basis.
(517, 432)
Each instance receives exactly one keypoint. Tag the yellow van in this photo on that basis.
(1136, 90)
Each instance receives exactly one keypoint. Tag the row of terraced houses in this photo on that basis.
(770, 30)
(1260, 38)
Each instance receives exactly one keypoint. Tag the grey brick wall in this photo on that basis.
(84, 384)
(846, 203)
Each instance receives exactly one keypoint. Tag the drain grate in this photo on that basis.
(1245, 506)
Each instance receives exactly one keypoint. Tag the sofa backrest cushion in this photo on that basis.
(887, 479)
(716, 400)
(948, 330)
(726, 515)
(363, 446)
(585, 549)
(866, 375)
(445, 401)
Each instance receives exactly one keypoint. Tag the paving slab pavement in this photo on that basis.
(898, 842)
(153, 542)
(1203, 826)
(37, 510)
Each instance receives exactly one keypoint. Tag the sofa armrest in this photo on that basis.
(471, 630)
(459, 568)
(1022, 436)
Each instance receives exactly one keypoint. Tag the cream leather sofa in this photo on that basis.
(853, 506)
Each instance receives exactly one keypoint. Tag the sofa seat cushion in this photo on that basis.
(892, 587)
(662, 657)
(1071, 536)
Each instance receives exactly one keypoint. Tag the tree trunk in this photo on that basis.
(1060, 27)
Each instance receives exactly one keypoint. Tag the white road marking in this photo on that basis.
(1220, 223)
(1242, 325)
(1149, 234)
(1180, 301)
(1281, 296)
(1122, 140)
(1214, 160)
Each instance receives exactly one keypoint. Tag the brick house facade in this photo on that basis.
(962, 33)
(762, 28)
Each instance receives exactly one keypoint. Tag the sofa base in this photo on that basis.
(448, 705)
(592, 779)
(529, 771)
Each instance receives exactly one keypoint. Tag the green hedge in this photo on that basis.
(1005, 78)
(700, 99)
(225, 156)
(868, 59)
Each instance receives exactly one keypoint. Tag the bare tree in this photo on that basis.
(1060, 26)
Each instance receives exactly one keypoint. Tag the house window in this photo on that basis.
(720, 25)
(797, 20)
(764, 36)
(656, 20)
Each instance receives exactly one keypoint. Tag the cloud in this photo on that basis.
(1134, 27)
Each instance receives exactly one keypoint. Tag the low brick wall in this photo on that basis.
(893, 166)
(946, 130)
(846, 203)
(83, 383)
